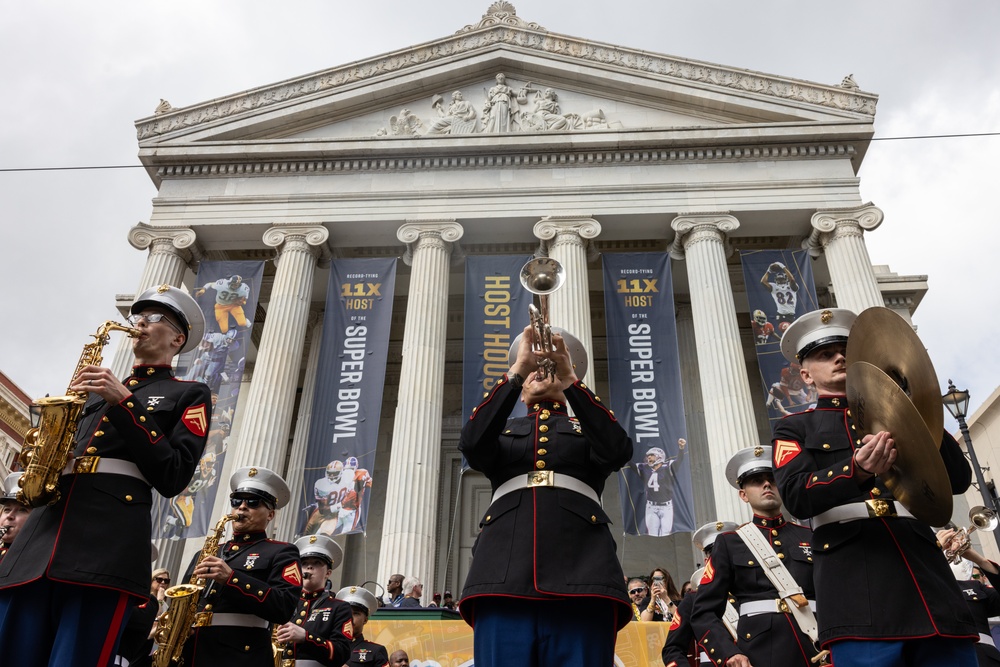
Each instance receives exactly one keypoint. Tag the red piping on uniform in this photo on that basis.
(107, 651)
(912, 576)
(795, 633)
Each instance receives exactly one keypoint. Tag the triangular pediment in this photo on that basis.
(554, 84)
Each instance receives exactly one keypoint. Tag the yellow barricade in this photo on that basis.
(434, 643)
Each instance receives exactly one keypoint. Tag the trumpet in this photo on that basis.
(982, 518)
(542, 276)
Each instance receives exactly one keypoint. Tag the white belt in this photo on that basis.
(986, 639)
(703, 657)
(869, 509)
(238, 620)
(767, 607)
(308, 663)
(123, 662)
(88, 464)
(545, 478)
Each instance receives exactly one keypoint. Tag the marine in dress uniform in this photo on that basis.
(363, 652)
(80, 564)
(983, 600)
(765, 635)
(321, 628)
(12, 513)
(681, 646)
(884, 586)
(544, 563)
(253, 583)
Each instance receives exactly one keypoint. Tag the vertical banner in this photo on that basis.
(779, 289)
(343, 433)
(227, 293)
(496, 311)
(645, 380)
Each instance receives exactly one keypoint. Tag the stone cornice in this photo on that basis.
(526, 37)
(520, 160)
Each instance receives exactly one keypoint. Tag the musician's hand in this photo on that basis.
(681, 443)
(525, 362)
(100, 381)
(738, 660)
(876, 454)
(565, 373)
(289, 632)
(945, 537)
(213, 568)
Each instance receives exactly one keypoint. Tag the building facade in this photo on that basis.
(15, 420)
(506, 138)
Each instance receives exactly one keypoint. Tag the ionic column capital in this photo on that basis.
(181, 241)
(691, 228)
(552, 226)
(311, 238)
(830, 224)
(443, 233)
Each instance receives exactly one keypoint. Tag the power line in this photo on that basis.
(140, 166)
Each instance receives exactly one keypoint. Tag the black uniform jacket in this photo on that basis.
(734, 571)
(545, 542)
(367, 654)
(266, 582)
(135, 645)
(983, 602)
(329, 631)
(876, 578)
(680, 647)
(98, 533)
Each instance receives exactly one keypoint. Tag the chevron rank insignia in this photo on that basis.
(292, 574)
(785, 451)
(709, 573)
(196, 419)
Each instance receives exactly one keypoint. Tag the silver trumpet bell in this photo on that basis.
(542, 276)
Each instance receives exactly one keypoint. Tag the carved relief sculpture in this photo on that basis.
(501, 113)
(460, 118)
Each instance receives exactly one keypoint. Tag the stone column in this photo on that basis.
(703, 477)
(701, 240)
(171, 250)
(286, 521)
(409, 529)
(267, 414)
(567, 242)
(840, 234)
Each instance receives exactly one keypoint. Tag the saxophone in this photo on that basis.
(182, 606)
(47, 446)
(279, 649)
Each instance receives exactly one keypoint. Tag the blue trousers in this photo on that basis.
(51, 624)
(928, 652)
(513, 632)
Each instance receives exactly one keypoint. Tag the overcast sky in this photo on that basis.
(77, 75)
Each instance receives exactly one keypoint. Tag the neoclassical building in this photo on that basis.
(506, 138)
(14, 423)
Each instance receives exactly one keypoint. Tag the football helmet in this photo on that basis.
(334, 471)
(657, 454)
(235, 281)
(781, 278)
(760, 317)
(351, 462)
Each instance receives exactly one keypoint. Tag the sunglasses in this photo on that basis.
(162, 580)
(252, 503)
(636, 591)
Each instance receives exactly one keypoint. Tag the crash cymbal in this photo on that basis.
(918, 478)
(884, 339)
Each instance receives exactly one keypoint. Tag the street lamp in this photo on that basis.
(957, 403)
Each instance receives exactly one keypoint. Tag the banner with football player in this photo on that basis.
(496, 311)
(644, 373)
(227, 293)
(779, 288)
(343, 431)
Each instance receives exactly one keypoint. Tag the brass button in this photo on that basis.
(142, 418)
(876, 492)
(781, 556)
(858, 442)
(543, 416)
(583, 386)
(846, 468)
(774, 532)
(535, 406)
(208, 607)
(130, 404)
(829, 473)
(150, 408)
(815, 478)
(544, 438)
(98, 434)
(597, 398)
(488, 517)
(91, 450)
(235, 580)
(809, 558)
(150, 371)
(711, 650)
(777, 543)
(246, 648)
(556, 406)
(485, 394)
(540, 464)
(128, 498)
(246, 538)
(543, 428)
(132, 383)
(262, 592)
(474, 409)
(848, 413)
(543, 452)
(153, 433)
(748, 635)
(836, 402)
(826, 445)
(298, 621)
(248, 586)
(105, 420)
(826, 546)
(507, 431)
(236, 547)
(750, 562)
(302, 613)
(593, 519)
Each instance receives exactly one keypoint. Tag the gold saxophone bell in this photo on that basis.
(982, 518)
(47, 446)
